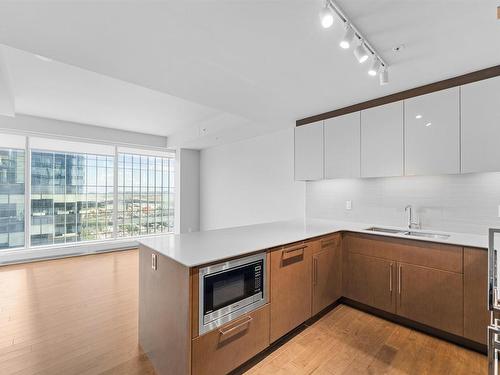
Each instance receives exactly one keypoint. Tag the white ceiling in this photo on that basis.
(267, 63)
(65, 92)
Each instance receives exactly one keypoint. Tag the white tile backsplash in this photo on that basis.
(455, 203)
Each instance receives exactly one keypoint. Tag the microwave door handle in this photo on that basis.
(492, 271)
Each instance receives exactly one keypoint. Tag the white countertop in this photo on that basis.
(197, 248)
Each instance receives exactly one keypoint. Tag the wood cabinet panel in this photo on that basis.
(371, 281)
(423, 253)
(476, 314)
(224, 349)
(291, 286)
(309, 152)
(432, 297)
(327, 273)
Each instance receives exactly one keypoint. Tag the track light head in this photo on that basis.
(375, 67)
(384, 76)
(361, 53)
(346, 41)
(326, 17)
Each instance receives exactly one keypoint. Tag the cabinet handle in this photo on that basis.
(226, 331)
(315, 271)
(154, 261)
(390, 277)
(293, 252)
(399, 281)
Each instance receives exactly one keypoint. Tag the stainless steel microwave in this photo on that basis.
(231, 289)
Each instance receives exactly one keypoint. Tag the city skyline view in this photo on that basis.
(72, 197)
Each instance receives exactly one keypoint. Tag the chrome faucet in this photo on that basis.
(412, 223)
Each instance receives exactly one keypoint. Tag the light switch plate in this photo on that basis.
(348, 205)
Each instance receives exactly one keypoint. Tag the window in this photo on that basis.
(81, 192)
(145, 194)
(11, 198)
(71, 197)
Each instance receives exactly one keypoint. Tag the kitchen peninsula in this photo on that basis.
(434, 283)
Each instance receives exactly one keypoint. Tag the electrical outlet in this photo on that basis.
(348, 205)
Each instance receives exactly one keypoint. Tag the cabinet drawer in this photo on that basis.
(224, 349)
(430, 254)
(422, 253)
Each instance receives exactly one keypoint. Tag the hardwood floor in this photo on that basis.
(79, 316)
(348, 341)
(71, 316)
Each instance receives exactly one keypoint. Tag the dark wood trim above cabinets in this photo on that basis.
(417, 91)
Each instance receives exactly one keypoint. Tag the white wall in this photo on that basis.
(250, 182)
(187, 209)
(456, 203)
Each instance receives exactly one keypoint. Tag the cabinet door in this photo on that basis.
(327, 274)
(224, 349)
(382, 141)
(342, 146)
(291, 284)
(432, 133)
(480, 106)
(371, 281)
(476, 314)
(430, 296)
(309, 151)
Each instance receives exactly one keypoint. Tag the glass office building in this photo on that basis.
(145, 195)
(11, 198)
(71, 197)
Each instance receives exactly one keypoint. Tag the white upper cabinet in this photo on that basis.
(382, 141)
(342, 147)
(432, 133)
(309, 151)
(481, 126)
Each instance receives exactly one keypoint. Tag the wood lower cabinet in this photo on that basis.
(430, 296)
(327, 272)
(222, 350)
(476, 314)
(291, 284)
(371, 281)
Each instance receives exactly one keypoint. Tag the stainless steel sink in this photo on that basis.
(437, 236)
(387, 230)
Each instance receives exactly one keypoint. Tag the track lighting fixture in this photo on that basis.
(346, 41)
(364, 49)
(384, 76)
(361, 53)
(375, 67)
(326, 17)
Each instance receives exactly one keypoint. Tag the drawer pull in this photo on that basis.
(226, 331)
(399, 281)
(293, 252)
(390, 277)
(315, 271)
